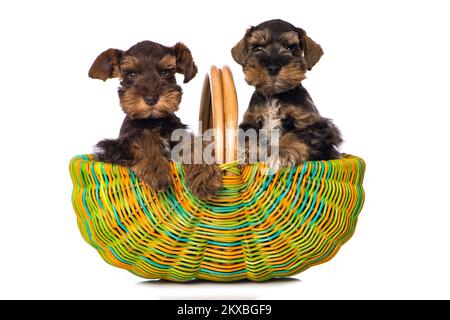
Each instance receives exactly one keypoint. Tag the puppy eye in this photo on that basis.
(130, 75)
(164, 72)
(257, 49)
(293, 48)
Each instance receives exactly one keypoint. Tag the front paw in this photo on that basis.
(155, 177)
(204, 180)
(113, 151)
(276, 162)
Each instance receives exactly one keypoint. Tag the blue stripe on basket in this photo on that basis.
(223, 273)
(171, 235)
(137, 192)
(313, 203)
(278, 199)
(319, 212)
(225, 244)
(155, 264)
(276, 234)
(297, 193)
(97, 188)
(85, 205)
(117, 257)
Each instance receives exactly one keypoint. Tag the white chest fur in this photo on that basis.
(269, 141)
(271, 116)
(265, 145)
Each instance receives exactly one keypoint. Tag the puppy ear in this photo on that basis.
(106, 65)
(239, 51)
(185, 62)
(313, 51)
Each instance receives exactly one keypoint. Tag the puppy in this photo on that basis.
(275, 57)
(149, 95)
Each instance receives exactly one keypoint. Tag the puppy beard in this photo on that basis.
(257, 76)
(288, 78)
(134, 106)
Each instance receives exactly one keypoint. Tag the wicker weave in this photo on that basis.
(258, 227)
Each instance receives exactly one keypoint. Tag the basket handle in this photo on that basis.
(219, 110)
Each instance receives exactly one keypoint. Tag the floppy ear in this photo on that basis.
(312, 50)
(239, 51)
(185, 62)
(106, 65)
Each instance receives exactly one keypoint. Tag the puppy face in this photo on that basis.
(275, 56)
(148, 88)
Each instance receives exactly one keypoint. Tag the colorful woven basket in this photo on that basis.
(257, 227)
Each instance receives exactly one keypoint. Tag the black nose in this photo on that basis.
(273, 69)
(151, 100)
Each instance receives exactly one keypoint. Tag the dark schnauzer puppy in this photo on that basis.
(275, 56)
(149, 96)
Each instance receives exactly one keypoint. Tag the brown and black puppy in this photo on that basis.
(275, 56)
(149, 95)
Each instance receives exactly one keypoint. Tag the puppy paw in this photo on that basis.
(276, 162)
(155, 177)
(113, 151)
(204, 180)
(157, 181)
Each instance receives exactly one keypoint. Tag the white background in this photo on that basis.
(384, 79)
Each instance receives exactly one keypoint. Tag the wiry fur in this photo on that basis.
(149, 96)
(197, 174)
(275, 57)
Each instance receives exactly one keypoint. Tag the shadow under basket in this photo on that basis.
(257, 227)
